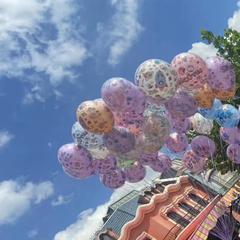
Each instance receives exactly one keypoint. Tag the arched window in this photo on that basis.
(198, 199)
(178, 218)
(188, 208)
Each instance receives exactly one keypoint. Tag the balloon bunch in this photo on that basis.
(124, 131)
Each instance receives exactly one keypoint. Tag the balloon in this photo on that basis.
(201, 124)
(162, 163)
(93, 142)
(204, 96)
(104, 166)
(135, 173)
(179, 125)
(76, 160)
(230, 135)
(95, 116)
(121, 95)
(177, 142)
(222, 76)
(228, 116)
(181, 105)
(203, 146)
(233, 153)
(193, 162)
(225, 95)
(120, 140)
(148, 158)
(211, 113)
(192, 71)
(114, 179)
(157, 79)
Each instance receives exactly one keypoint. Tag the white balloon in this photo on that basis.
(201, 124)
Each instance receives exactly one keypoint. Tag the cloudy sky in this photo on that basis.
(54, 54)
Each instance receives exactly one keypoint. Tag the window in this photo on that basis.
(198, 199)
(178, 218)
(188, 208)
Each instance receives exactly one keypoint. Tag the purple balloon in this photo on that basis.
(233, 153)
(179, 125)
(104, 166)
(135, 173)
(114, 179)
(181, 105)
(177, 142)
(162, 163)
(203, 146)
(122, 95)
(193, 162)
(120, 140)
(230, 135)
(148, 158)
(80, 173)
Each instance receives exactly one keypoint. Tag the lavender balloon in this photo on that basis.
(203, 146)
(177, 142)
(148, 158)
(162, 163)
(104, 166)
(230, 135)
(120, 140)
(114, 179)
(179, 125)
(80, 173)
(135, 173)
(233, 153)
(193, 162)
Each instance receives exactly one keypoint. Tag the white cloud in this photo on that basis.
(61, 200)
(203, 50)
(32, 233)
(5, 138)
(234, 21)
(17, 198)
(90, 220)
(41, 38)
(123, 31)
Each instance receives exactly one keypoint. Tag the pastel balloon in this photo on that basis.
(80, 173)
(93, 142)
(204, 96)
(233, 153)
(135, 173)
(181, 105)
(162, 163)
(156, 79)
(228, 116)
(230, 135)
(203, 146)
(120, 140)
(179, 125)
(201, 124)
(95, 116)
(193, 162)
(114, 179)
(121, 95)
(192, 71)
(211, 113)
(148, 158)
(222, 76)
(225, 95)
(177, 142)
(104, 166)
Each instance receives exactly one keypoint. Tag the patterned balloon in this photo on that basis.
(192, 71)
(177, 142)
(148, 158)
(225, 95)
(228, 116)
(104, 166)
(222, 76)
(95, 116)
(211, 113)
(193, 162)
(93, 142)
(203, 146)
(233, 153)
(162, 163)
(201, 124)
(121, 95)
(76, 161)
(114, 179)
(180, 125)
(181, 105)
(157, 79)
(135, 173)
(230, 135)
(120, 140)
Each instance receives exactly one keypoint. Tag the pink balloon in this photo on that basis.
(233, 153)
(80, 173)
(177, 142)
(181, 105)
(230, 135)
(104, 166)
(162, 163)
(114, 179)
(135, 173)
(203, 146)
(192, 71)
(193, 162)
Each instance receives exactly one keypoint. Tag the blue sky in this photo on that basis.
(54, 54)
